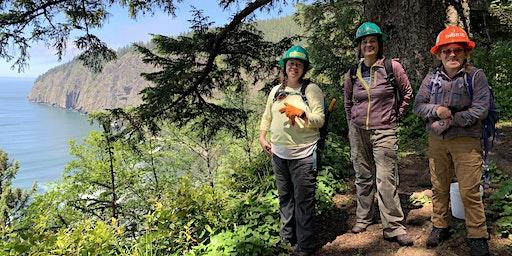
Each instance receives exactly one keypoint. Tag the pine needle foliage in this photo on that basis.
(12, 200)
(197, 70)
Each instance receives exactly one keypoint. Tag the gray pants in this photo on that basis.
(374, 156)
(296, 181)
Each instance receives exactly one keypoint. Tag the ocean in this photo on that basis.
(36, 135)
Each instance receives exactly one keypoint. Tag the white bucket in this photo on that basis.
(456, 201)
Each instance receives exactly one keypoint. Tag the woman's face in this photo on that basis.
(453, 56)
(369, 46)
(294, 69)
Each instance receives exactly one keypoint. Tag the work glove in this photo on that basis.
(441, 126)
(291, 112)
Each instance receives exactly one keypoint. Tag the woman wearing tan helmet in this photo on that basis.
(454, 98)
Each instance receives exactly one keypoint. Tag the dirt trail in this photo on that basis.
(333, 229)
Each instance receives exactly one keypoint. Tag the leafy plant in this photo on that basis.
(495, 61)
(501, 204)
(419, 199)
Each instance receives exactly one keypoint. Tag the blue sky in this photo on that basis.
(120, 30)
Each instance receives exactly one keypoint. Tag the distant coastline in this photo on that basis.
(37, 135)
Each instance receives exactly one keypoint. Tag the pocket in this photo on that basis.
(456, 100)
(459, 98)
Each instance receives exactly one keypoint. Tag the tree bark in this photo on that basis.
(412, 27)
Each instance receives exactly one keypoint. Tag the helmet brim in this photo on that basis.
(470, 45)
(382, 36)
(282, 62)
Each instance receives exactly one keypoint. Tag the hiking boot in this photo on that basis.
(478, 247)
(437, 236)
(357, 229)
(402, 240)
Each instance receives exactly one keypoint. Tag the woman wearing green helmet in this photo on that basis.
(294, 123)
(373, 108)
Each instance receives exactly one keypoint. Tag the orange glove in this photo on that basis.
(291, 112)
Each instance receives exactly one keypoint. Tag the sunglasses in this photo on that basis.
(455, 51)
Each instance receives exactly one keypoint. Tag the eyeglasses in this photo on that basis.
(455, 51)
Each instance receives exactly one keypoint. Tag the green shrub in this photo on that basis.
(501, 204)
(495, 62)
(254, 229)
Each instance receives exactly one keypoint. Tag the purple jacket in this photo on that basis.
(373, 106)
(453, 93)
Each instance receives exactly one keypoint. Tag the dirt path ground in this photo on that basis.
(334, 228)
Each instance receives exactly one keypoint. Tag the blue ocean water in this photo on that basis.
(36, 135)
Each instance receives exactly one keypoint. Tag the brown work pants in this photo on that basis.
(374, 156)
(461, 157)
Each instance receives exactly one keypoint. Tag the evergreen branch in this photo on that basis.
(26, 17)
(237, 19)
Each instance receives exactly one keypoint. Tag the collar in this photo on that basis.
(459, 73)
(378, 63)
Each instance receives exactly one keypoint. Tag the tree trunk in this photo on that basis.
(412, 27)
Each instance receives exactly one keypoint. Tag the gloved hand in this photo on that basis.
(441, 125)
(443, 112)
(291, 112)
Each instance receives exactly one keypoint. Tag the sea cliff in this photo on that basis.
(73, 86)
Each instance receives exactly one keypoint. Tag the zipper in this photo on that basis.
(367, 89)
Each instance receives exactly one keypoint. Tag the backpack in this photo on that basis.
(488, 123)
(327, 113)
(390, 78)
(488, 126)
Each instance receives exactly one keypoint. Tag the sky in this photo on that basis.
(120, 30)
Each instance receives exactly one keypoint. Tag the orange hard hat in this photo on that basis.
(452, 34)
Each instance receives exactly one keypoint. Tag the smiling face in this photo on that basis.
(294, 70)
(453, 56)
(369, 46)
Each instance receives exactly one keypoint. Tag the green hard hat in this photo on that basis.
(295, 52)
(368, 29)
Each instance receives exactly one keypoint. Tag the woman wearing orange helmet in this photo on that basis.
(454, 98)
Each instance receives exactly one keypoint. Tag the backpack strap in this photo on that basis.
(278, 91)
(470, 80)
(390, 78)
(303, 87)
(303, 91)
(434, 81)
(352, 73)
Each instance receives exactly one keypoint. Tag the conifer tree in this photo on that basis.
(197, 70)
(12, 200)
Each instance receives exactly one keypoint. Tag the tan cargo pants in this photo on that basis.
(461, 157)
(374, 156)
